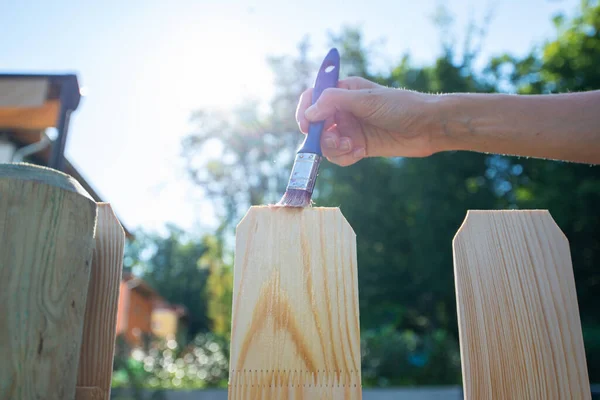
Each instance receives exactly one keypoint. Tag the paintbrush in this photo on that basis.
(306, 165)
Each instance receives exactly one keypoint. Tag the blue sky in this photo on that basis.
(146, 64)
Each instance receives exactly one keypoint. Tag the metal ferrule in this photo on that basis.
(304, 173)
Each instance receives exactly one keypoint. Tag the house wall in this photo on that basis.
(164, 323)
(122, 308)
(139, 320)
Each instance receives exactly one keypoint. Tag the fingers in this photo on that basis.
(357, 83)
(351, 83)
(348, 97)
(335, 145)
(349, 158)
(360, 103)
(303, 104)
(339, 149)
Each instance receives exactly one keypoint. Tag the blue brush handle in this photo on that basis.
(326, 78)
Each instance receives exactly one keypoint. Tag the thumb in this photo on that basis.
(335, 99)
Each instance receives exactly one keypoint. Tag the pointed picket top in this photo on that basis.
(519, 326)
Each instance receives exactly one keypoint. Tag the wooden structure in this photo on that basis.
(98, 345)
(142, 313)
(170, 321)
(46, 244)
(29, 105)
(295, 312)
(36, 102)
(295, 324)
(520, 333)
(53, 236)
(137, 300)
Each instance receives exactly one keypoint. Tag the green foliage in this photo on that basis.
(404, 232)
(406, 211)
(219, 287)
(403, 284)
(167, 365)
(243, 157)
(354, 55)
(187, 271)
(169, 264)
(568, 62)
(396, 358)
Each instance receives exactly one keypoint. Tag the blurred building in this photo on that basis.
(143, 314)
(169, 322)
(134, 313)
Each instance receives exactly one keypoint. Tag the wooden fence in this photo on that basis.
(295, 324)
(295, 331)
(61, 256)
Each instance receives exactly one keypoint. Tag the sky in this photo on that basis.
(145, 65)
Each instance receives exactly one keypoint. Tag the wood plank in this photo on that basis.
(47, 226)
(519, 326)
(99, 330)
(30, 118)
(295, 325)
(90, 393)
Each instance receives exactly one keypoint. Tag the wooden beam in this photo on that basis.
(23, 92)
(295, 324)
(46, 240)
(520, 333)
(99, 330)
(30, 118)
(90, 393)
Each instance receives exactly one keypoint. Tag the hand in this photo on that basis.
(364, 119)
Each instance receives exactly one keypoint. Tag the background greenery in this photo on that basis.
(404, 211)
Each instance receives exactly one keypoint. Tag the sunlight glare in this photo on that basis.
(217, 66)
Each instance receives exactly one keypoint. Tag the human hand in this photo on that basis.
(364, 119)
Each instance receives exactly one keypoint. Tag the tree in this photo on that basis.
(406, 211)
(241, 157)
(403, 285)
(170, 265)
(219, 287)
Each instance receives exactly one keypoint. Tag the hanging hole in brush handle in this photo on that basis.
(327, 77)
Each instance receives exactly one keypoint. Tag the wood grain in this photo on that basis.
(46, 240)
(520, 333)
(99, 330)
(90, 393)
(295, 325)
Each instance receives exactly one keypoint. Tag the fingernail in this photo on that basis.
(359, 153)
(330, 142)
(344, 144)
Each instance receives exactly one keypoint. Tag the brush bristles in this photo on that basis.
(295, 198)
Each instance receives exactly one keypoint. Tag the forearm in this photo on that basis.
(563, 127)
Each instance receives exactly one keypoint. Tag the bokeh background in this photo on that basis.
(188, 119)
